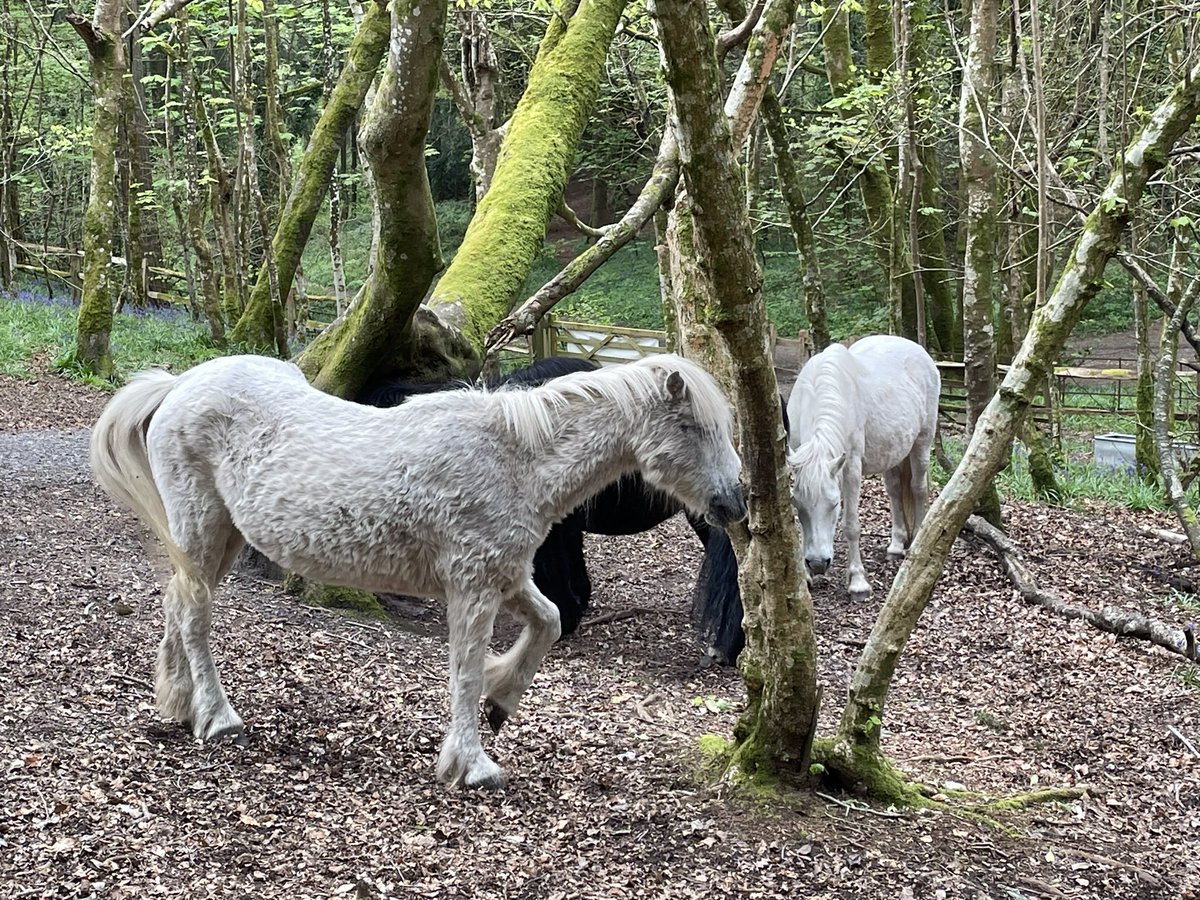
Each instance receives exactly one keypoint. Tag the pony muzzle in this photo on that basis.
(726, 508)
(818, 566)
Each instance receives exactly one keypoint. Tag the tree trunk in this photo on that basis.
(107, 60)
(656, 192)
(1145, 455)
(874, 181)
(8, 187)
(509, 226)
(855, 753)
(210, 292)
(795, 205)
(406, 254)
(336, 269)
(475, 96)
(272, 115)
(723, 282)
(258, 324)
(221, 198)
(979, 222)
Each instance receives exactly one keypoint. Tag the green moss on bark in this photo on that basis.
(257, 326)
(507, 231)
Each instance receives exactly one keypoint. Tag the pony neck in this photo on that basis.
(591, 446)
(831, 408)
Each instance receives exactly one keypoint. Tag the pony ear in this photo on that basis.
(676, 389)
(835, 467)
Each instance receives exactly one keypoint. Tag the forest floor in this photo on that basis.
(334, 795)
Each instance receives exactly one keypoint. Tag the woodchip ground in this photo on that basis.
(334, 796)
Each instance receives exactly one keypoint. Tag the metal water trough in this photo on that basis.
(1118, 451)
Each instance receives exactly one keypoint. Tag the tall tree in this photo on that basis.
(507, 231)
(405, 252)
(101, 36)
(978, 163)
(717, 288)
(856, 753)
(262, 319)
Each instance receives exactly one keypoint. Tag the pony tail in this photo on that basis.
(908, 501)
(120, 460)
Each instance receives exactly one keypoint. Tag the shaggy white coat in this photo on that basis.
(868, 409)
(446, 496)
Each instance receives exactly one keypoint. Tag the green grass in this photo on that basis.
(33, 327)
(1079, 480)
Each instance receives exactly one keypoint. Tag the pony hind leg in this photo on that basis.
(894, 481)
(507, 677)
(462, 761)
(188, 687)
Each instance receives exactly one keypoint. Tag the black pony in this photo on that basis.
(628, 506)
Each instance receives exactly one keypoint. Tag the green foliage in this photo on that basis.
(1078, 478)
(34, 327)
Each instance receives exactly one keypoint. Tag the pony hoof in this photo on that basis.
(496, 716)
(860, 595)
(895, 555)
(236, 734)
(491, 781)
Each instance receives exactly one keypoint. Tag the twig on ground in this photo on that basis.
(1114, 620)
(1184, 740)
(1171, 537)
(856, 807)
(615, 616)
(1109, 861)
(131, 681)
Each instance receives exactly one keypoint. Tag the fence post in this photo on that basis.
(537, 340)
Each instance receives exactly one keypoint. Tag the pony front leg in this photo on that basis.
(507, 677)
(857, 582)
(462, 761)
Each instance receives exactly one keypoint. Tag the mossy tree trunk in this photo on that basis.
(507, 231)
(855, 754)
(260, 323)
(1145, 454)
(210, 292)
(719, 288)
(405, 251)
(979, 222)
(107, 63)
(657, 191)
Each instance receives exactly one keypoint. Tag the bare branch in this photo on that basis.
(1134, 268)
(1114, 620)
(165, 9)
(569, 216)
(740, 33)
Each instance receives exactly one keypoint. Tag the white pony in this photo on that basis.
(447, 496)
(865, 410)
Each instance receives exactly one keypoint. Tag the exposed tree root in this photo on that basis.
(1122, 622)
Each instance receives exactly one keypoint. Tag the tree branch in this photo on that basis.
(1114, 620)
(740, 33)
(569, 216)
(1134, 268)
(94, 40)
(657, 190)
(165, 9)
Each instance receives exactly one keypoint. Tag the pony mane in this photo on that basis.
(828, 383)
(530, 412)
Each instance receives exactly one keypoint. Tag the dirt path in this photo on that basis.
(335, 796)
